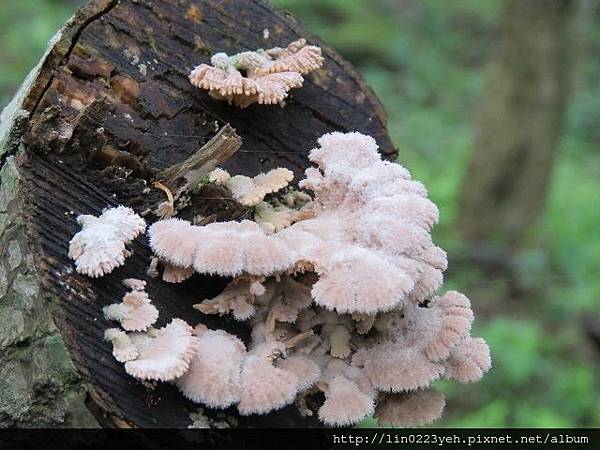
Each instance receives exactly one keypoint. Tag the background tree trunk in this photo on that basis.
(520, 121)
(108, 107)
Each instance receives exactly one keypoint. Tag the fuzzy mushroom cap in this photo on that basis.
(306, 370)
(273, 218)
(174, 274)
(100, 245)
(344, 154)
(469, 361)
(125, 220)
(268, 75)
(135, 312)
(357, 280)
(219, 176)
(395, 368)
(265, 89)
(214, 376)
(226, 248)
(251, 191)
(296, 57)
(265, 387)
(164, 354)
(174, 240)
(273, 88)
(419, 340)
(123, 348)
(449, 320)
(134, 284)
(410, 409)
(345, 404)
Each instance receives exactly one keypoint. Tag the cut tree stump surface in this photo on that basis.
(110, 107)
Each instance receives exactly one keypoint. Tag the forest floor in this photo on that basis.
(426, 61)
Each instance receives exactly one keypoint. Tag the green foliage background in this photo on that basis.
(426, 61)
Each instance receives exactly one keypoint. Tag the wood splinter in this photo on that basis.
(185, 176)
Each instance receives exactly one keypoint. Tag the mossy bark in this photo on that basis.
(107, 110)
(520, 121)
(39, 385)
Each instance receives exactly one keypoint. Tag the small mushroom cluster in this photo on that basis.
(339, 290)
(261, 76)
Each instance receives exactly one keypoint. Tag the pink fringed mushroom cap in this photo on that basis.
(135, 312)
(394, 368)
(265, 387)
(241, 247)
(226, 248)
(123, 348)
(411, 409)
(345, 404)
(268, 75)
(421, 338)
(251, 191)
(469, 361)
(307, 371)
(100, 245)
(214, 376)
(164, 353)
(175, 241)
(296, 57)
(357, 280)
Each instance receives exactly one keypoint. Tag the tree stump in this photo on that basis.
(108, 107)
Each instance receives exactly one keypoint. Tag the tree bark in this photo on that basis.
(109, 107)
(520, 122)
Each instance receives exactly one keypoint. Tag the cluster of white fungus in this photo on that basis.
(338, 288)
(340, 294)
(261, 76)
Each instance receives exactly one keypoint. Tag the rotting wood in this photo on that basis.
(183, 176)
(107, 108)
